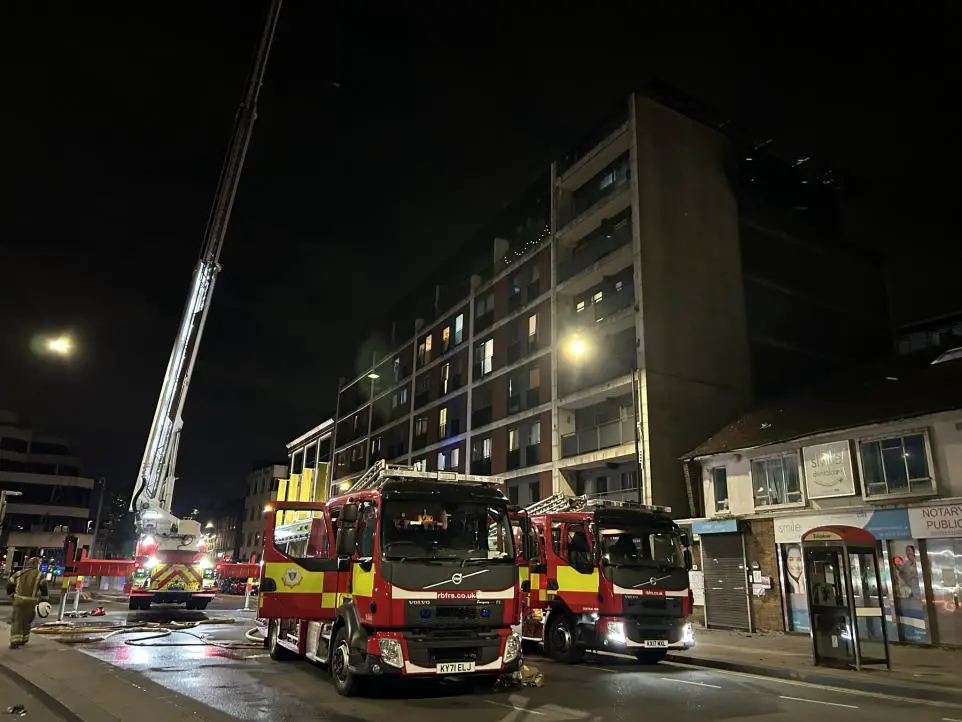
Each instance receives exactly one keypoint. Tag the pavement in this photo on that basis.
(928, 673)
(114, 680)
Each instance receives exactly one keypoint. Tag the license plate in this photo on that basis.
(455, 667)
(655, 643)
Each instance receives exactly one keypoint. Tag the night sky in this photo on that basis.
(384, 140)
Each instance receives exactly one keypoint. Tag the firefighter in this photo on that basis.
(27, 587)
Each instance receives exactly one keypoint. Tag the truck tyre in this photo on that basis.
(190, 604)
(277, 652)
(346, 682)
(561, 641)
(133, 603)
(202, 604)
(650, 656)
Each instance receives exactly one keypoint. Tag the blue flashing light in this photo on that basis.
(425, 613)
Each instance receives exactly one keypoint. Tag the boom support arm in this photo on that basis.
(154, 488)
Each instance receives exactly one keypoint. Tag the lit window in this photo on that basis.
(533, 325)
(445, 338)
(404, 395)
(618, 286)
(441, 461)
(427, 343)
(597, 297)
(534, 378)
(512, 439)
(459, 329)
(486, 356)
(486, 448)
(455, 457)
(580, 307)
(443, 423)
(421, 426)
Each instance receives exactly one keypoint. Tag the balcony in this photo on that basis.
(514, 404)
(532, 454)
(514, 459)
(481, 466)
(419, 441)
(595, 438)
(594, 144)
(609, 237)
(481, 417)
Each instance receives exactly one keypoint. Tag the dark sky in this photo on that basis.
(385, 138)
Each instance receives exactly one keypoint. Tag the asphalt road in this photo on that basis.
(249, 686)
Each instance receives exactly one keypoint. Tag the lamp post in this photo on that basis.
(578, 348)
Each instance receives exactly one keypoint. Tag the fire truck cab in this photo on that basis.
(409, 574)
(606, 576)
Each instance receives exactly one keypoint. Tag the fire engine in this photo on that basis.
(409, 574)
(606, 576)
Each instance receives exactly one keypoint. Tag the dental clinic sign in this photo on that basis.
(936, 521)
(828, 470)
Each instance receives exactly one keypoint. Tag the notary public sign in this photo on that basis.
(936, 521)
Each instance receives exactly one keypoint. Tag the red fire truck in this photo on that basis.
(607, 576)
(411, 574)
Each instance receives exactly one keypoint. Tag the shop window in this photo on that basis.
(719, 482)
(776, 480)
(896, 465)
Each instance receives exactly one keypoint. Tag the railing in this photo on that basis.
(595, 438)
(481, 466)
(596, 137)
(591, 250)
(589, 197)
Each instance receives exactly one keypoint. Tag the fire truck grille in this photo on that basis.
(455, 654)
(659, 604)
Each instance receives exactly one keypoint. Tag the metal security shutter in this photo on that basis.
(726, 582)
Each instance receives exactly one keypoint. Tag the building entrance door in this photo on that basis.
(726, 582)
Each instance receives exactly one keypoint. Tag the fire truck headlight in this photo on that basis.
(616, 632)
(688, 636)
(512, 647)
(391, 652)
(205, 563)
(151, 563)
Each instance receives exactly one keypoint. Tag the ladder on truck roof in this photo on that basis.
(560, 503)
(381, 472)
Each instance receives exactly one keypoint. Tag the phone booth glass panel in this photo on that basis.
(844, 594)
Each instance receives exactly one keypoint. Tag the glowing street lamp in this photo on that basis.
(59, 345)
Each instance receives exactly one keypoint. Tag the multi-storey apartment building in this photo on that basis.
(262, 485)
(47, 494)
(646, 287)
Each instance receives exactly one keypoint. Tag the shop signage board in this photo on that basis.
(828, 470)
(936, 521)
(883, 523)
(714, 526)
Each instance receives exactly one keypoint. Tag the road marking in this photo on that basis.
(813, 685)
(511, 706)
(688, 681)
(949, 719)
(818, 701)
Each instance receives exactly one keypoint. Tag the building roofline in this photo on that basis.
(319, 430)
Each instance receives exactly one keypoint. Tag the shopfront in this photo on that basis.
(725, 574)
(938, 527)
(902, 578)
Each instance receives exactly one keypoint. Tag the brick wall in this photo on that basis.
(760, 548)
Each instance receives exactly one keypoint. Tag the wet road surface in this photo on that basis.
(250, 686)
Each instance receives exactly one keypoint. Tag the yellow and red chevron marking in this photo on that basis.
(191, 576)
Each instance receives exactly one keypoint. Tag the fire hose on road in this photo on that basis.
(72, 633)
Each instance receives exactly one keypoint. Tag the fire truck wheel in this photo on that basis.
(562, 644)
(345, 681)
(650, 656)
(277, 652)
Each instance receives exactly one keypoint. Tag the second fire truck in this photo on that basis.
(409, 574)
(608, 576)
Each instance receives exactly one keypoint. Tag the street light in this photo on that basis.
(59, 345)
(578, 348)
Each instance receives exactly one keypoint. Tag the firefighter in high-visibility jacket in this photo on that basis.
(27, 587)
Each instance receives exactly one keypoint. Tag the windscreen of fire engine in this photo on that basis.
(445, 530)
(640, 547)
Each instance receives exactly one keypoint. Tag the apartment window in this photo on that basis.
(424, 350)
(443, 423)
(455, 457)
(445, 378)
(534, 434)
(486, 356)
(357, 422)
(776, 481)
(579, 307)
(421, 426)
(459, 329)
(441, 461)
(534, 378)
(896, 465)
(356, 453)
(618, 286)
(512, 439)
(427, 344)
(513, 495)
(598, 296)
(534, 491)
(719, 482)
(532, 326)
(484, 305)
(423, 384)
(486, 448)
(397, 369)
(376, 445)
(512, 386)
(404, 395)
(445, 339)
(420, 464)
